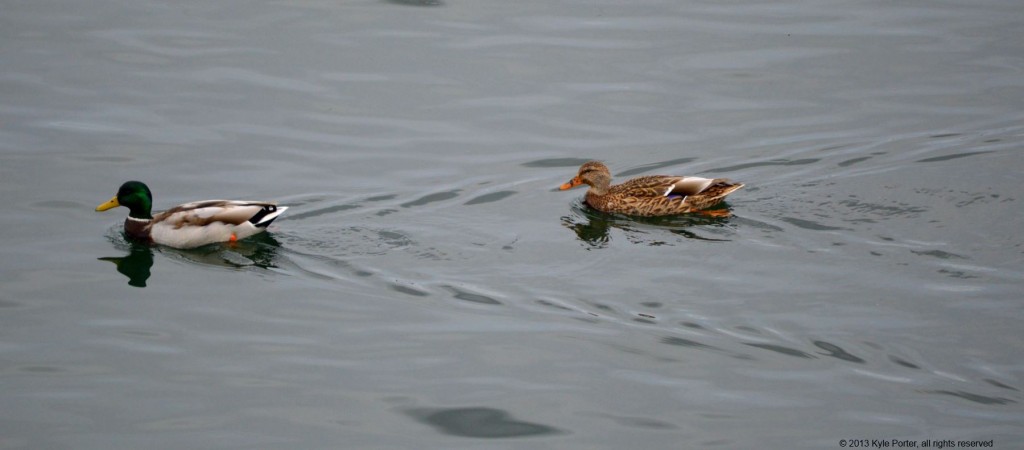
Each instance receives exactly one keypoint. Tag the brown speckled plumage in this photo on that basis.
(652, 195)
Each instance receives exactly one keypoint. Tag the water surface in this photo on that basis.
(430, 288)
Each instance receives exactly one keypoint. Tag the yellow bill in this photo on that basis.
(110, 204)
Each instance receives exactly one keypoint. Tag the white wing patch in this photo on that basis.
(691, 185)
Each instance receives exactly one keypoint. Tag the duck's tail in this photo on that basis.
(267, 215)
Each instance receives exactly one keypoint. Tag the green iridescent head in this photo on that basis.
(135, 196)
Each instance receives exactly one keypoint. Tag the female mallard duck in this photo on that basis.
(652, 195)
(192, 224)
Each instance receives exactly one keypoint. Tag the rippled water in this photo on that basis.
(430, 288)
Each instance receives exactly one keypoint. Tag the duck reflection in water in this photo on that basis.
(260, 251)
(135, 265)
(594, 227)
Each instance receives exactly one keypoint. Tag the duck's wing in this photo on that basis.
(228, 212)
(646, 186)
(667, 186)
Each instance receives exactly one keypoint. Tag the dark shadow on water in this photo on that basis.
(409, 290)
(774, 162)
(479, 422)
(996, 383)
(464, 295)
(576, 162)
(556, 162)
(902, 362)
(431, 198)
(654, 166)
(258, 251)
(692, 344)
(836, 351)
(976, 398)
(810, 224)
(491, 197)
(416, 2)
(781, 349)
(323, 211)
(594, 227)
(637, 422)
(953, 156)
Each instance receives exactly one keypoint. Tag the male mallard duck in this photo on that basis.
(192, 224)
(652, 195)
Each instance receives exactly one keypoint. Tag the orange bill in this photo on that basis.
(575, 181)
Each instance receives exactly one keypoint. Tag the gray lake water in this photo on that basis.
(430, 288)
